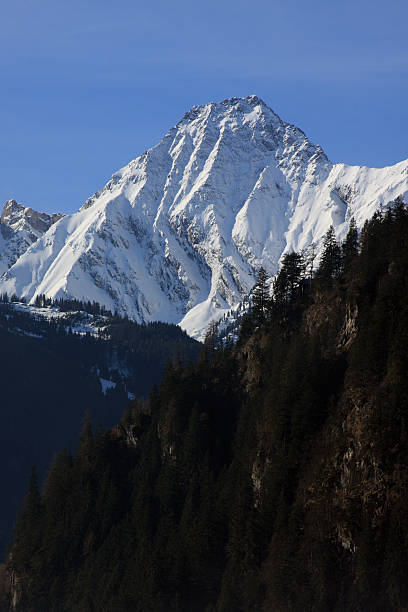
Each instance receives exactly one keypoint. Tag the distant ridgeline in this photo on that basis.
(271, 475)
(56, 367)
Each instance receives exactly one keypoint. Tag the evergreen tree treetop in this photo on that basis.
(260, 296)
(289, 277)
(330, 261)
(350, 245)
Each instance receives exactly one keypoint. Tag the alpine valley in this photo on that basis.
(178, 234)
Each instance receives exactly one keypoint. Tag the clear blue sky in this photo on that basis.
(87, 85)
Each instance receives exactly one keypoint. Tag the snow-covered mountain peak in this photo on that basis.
(179, 232)
(11, 209)
(228, 105)
(18, 218)
(20, 227)
(216, 132)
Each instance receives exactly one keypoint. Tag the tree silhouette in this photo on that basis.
(330, 262)
(260, 297)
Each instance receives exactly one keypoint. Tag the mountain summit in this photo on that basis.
(178, 234)
(20, 227)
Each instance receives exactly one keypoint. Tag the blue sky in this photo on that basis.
(88, 85)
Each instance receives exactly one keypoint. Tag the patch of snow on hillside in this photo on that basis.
(106, 385)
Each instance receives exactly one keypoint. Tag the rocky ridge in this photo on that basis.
(20, 227)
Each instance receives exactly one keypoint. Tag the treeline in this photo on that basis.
(294, 281)
(4, 297)
(72, 304)
(298, 277)
(63, 304)
(270, 476)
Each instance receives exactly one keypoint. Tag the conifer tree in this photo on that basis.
(210, 341)
(330, 262)
(27, 535)
(289, 277)
(350, 246)
(260, 297)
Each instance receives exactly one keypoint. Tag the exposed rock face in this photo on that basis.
(178, 234)
(20, 227)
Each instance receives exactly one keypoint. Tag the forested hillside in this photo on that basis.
(272, 475)
(50, 378)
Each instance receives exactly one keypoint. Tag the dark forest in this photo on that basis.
(270, 475)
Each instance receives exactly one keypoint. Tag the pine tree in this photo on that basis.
(260, 297)
(350, 246)
(330, 262)
(27, 543)
(289, 277)
(210, 341)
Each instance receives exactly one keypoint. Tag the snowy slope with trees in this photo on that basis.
(178, 234)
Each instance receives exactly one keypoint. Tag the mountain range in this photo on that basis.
(179, 233)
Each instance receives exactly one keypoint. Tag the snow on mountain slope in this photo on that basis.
(20, 227)
(178, 233)
(77, 322)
